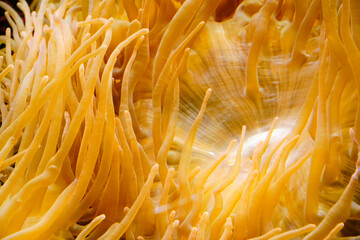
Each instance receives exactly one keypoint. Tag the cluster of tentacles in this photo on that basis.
(180, 119)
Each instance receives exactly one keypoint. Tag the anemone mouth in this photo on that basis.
(190, 119)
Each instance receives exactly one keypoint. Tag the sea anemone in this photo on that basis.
(180, 119)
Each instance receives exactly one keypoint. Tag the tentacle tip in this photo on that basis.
(155, 168)
(127, 114)
(352, 132)
(312, 226)
(202, 23)
(352, 135)
(45, 78)
(23, 34)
